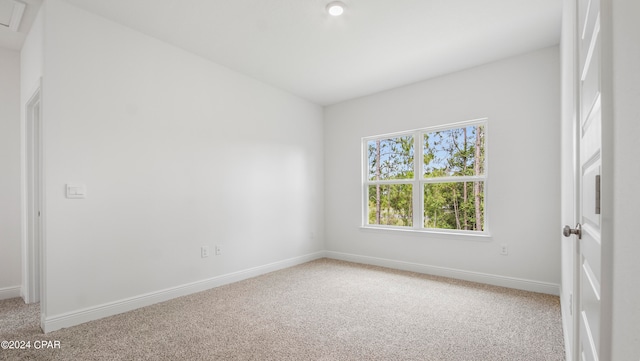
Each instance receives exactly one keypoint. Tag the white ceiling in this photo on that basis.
(376, 45)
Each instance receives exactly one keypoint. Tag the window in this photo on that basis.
(427, 179)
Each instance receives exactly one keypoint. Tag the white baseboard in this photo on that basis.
(510, 282)
(10, 292)
(113, 308)
(69, 319)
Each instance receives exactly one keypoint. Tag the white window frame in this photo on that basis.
(419, 180)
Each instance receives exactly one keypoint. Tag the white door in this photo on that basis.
(589, 118)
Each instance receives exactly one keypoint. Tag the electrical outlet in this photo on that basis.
(504, 250)
(218, 250)
(204, 251)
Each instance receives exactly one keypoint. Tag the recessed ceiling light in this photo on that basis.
(335, 8)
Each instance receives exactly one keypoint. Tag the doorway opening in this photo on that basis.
(32, 265)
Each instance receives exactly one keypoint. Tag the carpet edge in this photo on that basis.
(74, 318)
(491, 279)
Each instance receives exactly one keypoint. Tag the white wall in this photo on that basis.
(10, 262)
(176, 152)
(521, 98)
(31, 64)
(32, 58)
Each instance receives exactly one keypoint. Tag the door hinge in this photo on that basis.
(598, 194)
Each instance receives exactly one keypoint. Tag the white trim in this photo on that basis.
(496, 280)
(33, 271)
(566, 322)
(429, 180)
(10, 292)
(460, 179)
(128, 304)
(453, 233)
(419, 181)
(434, 128)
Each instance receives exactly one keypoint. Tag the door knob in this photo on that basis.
(568, 231)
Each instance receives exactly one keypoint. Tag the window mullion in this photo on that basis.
(457, 179)
(390, 181)
(417, 175)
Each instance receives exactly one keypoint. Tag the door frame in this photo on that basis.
(33, 195)
(569, 178)
(607, 176)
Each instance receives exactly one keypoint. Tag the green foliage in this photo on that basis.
(454, 153)
(447, 205)
(396, 204)
(391, 158)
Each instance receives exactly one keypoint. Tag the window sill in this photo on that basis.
(475, 236)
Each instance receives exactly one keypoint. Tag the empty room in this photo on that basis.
(319, 180)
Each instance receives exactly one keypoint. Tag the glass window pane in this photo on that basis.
(390, 158)
(454, 152)
(391, 204)
(457, 205)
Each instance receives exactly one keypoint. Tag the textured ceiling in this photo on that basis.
(376, 45)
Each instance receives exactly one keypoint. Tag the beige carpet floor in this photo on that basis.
(321, 310)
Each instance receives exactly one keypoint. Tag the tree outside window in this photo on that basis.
(448, 190)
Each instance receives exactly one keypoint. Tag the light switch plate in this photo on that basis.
(76, 191)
